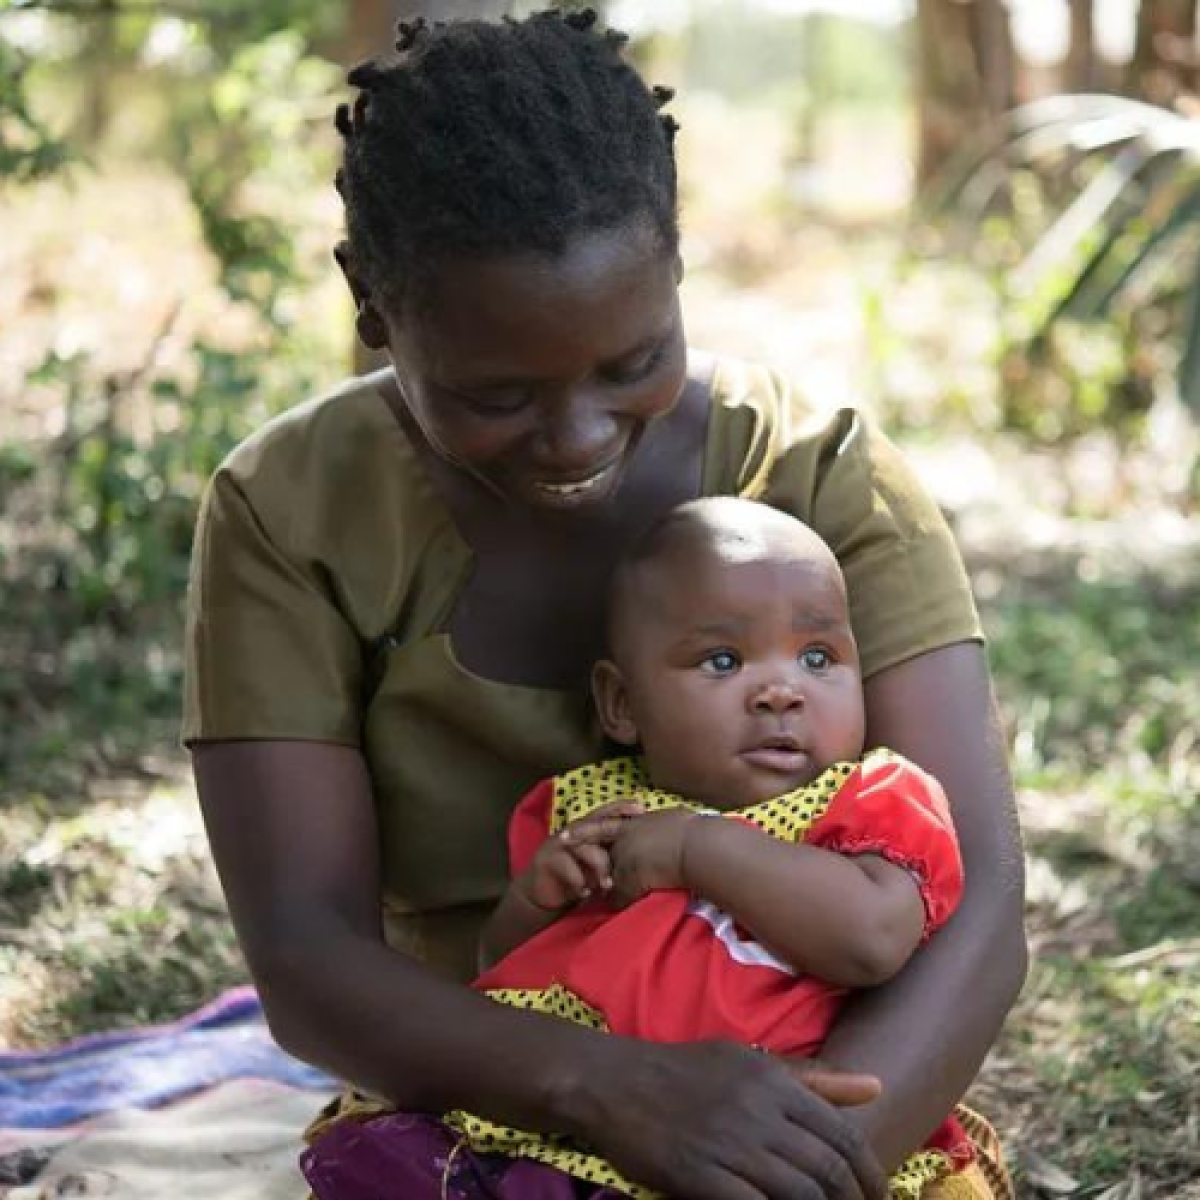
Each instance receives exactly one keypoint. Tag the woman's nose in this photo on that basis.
(777, 697)
(577, 432)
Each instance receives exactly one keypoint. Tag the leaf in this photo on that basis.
(1129, 1189)
(1047, 1176)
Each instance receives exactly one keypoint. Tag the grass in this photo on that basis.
(1096, 1081)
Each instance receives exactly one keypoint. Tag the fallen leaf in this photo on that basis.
(1047, 1176)
(1130, 1189)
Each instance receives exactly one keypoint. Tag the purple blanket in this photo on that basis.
(143, 1068)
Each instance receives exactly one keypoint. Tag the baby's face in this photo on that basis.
(741, 678)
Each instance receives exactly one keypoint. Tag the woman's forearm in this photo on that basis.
(926, 1032)
(380, 1020)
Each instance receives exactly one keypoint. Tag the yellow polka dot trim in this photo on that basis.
(787, 817)
(917, 1172)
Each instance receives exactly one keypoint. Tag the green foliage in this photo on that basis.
(1090, 675)
(28, 149)
(96, 523)
(1085, 217)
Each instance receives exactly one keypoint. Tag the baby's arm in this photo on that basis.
(851, 921)
(567, 868)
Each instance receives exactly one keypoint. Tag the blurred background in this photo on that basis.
(979, 218)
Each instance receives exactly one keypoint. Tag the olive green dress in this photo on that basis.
(326, 568)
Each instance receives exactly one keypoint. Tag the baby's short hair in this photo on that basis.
(735, 528)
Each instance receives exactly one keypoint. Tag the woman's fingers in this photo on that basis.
(844, 1089)
(714, 1121)
(831, 1150)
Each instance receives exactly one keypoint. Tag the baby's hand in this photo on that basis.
(574, 864)
(648, 855)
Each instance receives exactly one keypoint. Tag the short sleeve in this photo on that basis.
(893, 809)
(529, 826)
(909, 591)
(268, 654)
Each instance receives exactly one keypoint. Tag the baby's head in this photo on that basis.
(732, 661)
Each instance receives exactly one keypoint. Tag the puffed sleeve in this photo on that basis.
(891, 808)
(529, 826)
(909, 592)
(268, 654)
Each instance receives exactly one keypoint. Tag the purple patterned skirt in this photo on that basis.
(407, 1156)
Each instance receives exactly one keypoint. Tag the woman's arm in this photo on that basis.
(292, 828)
(926, 1032)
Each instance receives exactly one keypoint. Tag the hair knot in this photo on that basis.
(583, 20)
(409, 32)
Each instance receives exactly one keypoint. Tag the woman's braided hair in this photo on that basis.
(487, 138)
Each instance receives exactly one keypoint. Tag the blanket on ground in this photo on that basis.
(228, 1106)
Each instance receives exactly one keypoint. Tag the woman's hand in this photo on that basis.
(718, 1121)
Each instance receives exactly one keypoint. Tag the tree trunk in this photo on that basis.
(1164, 57)
(995, 55)
(966, 71)
(1081, 50)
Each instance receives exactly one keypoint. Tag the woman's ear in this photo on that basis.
(370, 325)
(611, 698)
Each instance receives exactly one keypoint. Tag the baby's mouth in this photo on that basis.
(780, 752)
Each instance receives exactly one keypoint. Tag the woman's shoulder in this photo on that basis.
(344, 429)
(333, 467)
(764, 423)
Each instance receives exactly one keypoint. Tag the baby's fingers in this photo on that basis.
(564, 879)
(595, 864)
(600, 829)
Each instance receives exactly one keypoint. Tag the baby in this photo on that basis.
(742, 873)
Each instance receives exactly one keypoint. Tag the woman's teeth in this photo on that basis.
(567, 491)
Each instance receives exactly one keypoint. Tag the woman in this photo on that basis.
(397, 596)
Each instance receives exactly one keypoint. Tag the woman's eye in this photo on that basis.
(816, 659)
(639, 368)
(723, 662)
(498, 403)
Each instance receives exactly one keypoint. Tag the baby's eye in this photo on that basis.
(816, 658)
(723, 662)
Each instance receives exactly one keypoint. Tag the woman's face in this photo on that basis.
(539, 375)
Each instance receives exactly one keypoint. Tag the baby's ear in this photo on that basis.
(611, 698)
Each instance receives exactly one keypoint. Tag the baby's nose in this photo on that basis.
(778, 698)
